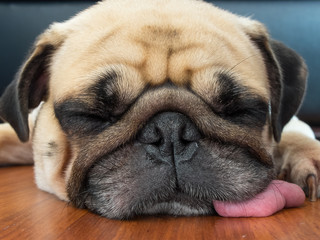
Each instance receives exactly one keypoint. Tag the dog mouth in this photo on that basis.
(122, 192)
(157, 198)
(130, 182)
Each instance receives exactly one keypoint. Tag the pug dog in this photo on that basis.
(159, 106)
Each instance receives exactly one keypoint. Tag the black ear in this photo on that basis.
(287, 73)
(30, 85)
(293, 79)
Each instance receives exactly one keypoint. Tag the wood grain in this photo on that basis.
(29, 213)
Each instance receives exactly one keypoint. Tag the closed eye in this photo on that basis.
(238, 103)
(77, 118)
(248, 111)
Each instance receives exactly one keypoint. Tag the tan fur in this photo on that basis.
(12, 151)
(50, 171)
(300, 157)
(163, 47)
(184, 41)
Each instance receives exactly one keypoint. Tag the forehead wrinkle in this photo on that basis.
(173, 52)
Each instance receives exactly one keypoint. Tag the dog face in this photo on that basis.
(154, 107)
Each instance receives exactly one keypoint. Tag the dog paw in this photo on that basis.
(301, 163)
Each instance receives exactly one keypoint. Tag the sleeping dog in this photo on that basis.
(160, 106)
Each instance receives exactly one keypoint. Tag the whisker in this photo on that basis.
(243, 60)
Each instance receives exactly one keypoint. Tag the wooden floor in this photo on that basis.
(28, 213)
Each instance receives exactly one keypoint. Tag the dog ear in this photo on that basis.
(294, 74)
(30, 85)
(287, 73)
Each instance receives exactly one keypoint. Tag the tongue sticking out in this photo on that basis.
(278, 195)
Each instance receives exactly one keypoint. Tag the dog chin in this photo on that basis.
(180, 204)
(178, 209)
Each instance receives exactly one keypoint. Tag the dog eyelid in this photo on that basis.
(74, 107)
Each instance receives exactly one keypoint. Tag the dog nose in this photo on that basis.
(170, 136)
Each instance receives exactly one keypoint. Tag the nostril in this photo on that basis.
(185, 137)
(158, 140)
(190, 134)
(150, 135)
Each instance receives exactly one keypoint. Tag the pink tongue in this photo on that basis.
(278, 195)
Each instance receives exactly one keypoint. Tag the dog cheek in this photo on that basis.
(225, 172)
